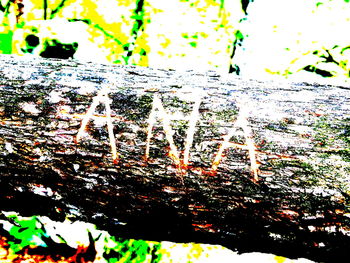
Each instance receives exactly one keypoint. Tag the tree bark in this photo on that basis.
(251, 165)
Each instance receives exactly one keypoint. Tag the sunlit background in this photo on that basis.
(303, 40)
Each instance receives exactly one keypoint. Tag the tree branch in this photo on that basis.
(182, 156)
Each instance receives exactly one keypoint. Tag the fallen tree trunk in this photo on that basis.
(181, 156)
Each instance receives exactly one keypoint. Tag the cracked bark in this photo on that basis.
(299, 207)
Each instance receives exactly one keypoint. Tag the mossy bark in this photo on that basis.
(298, 207)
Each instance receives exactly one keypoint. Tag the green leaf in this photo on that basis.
(193, 44)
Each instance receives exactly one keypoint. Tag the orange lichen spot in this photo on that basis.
(4, 253)
(206, 227)
(339, 211)
(102, 97)
(287, 213)
(315, 114)
(64, 111)
(197, 207)
(175, 158)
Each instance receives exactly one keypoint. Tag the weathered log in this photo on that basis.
(181, 156)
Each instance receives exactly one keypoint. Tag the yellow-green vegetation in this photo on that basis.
(256, 39)
(32, 232)
(42, 232)
(170, 34)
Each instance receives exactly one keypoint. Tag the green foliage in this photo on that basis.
(329, 62)
(200, 34)
(130, 250)
(30, 231)
(25, 232)
(6, 40)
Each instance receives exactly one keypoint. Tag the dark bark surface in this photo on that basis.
(298, 207)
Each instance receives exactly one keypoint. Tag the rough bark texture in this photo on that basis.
(299, 207)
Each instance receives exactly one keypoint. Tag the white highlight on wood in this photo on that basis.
(30, 107)
(8, 147)
(86, 88)
(55, 96)
(102, 97)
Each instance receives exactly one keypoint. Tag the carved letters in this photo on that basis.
(102, 97)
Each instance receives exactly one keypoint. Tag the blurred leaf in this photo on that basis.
(5, 40)
(193, 44)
